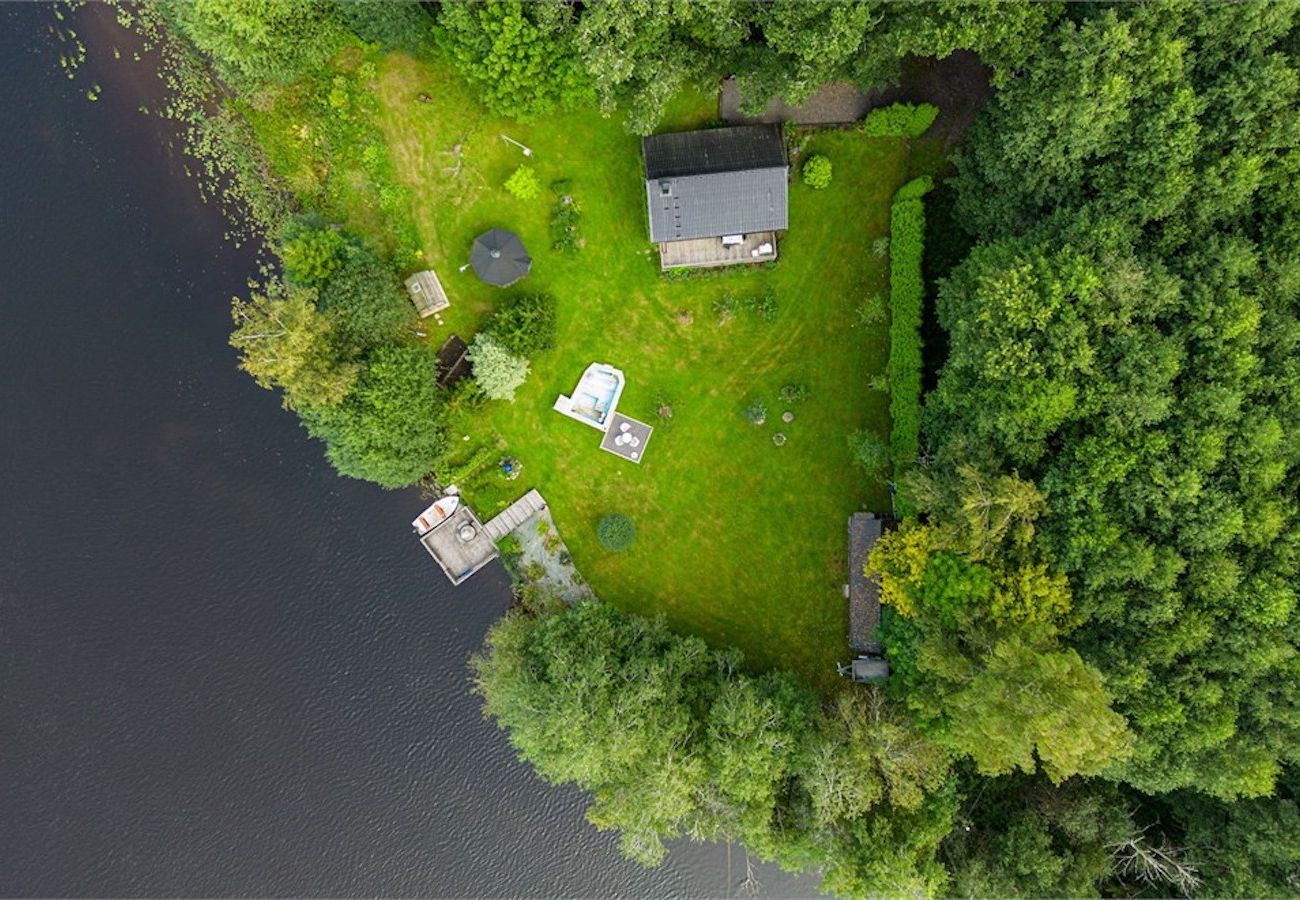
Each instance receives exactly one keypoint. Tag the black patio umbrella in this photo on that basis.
(499, 257)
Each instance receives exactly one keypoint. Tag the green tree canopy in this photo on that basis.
(265, 40)
(389, 430)
(496, 370)
(520, 56)
(285, 342)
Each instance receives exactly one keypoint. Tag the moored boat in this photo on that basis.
(437, 513)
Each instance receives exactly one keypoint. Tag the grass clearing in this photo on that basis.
(738, 539)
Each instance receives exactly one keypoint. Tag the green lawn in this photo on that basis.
(739, 540)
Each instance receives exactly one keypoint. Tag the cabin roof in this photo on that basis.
(736, 149)
(717, 182)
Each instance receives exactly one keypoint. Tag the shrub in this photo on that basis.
(564, 225)
(907, 230)
(523, 184)
(756, 412)
(462, 473)
(496, 370)
(524, 324)
(664, 408)
(312, 256)
(763, 305)
(870, 452)
(512, 554)
(817, 172)
(794, 393)
(725, 307)
(871, 311)
(900, 120)
(615, 531)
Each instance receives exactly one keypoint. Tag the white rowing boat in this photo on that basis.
(436, 514)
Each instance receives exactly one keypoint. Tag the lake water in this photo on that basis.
(224, 670)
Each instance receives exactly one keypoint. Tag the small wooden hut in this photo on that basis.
(427, 293)
(453, 361)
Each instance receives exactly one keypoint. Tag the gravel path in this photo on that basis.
(562, 577)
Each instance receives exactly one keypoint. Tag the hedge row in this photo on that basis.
(906, 242)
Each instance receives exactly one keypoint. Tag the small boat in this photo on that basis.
(436, 514)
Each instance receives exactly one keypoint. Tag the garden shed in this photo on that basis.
(453, 361)
(427, 293)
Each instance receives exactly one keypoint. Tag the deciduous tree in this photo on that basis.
(285, 342)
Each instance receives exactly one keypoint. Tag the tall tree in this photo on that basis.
(519, 55)
(285, 342)
(260, 41)
(389, 430)
(640, 53)
(1140, 378)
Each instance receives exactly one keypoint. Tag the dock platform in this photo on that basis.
(461, 545)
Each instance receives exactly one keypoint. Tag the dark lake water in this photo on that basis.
(223, 669)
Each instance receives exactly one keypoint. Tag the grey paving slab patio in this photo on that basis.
(626, 437)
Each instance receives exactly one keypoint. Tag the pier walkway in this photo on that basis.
(514, 515)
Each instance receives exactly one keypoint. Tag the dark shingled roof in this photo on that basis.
(702, 184)
(453, 361)
(864, 593)
(714, 150)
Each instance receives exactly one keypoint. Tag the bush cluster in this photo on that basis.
(524, 324)
(817, 172)
(615, 531)
(900, 120)
(565, 217)
(523, 184)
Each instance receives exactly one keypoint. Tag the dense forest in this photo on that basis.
(1090, 611)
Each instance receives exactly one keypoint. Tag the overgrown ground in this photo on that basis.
(739, 540)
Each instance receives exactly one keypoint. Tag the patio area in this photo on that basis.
(627, 438)
(703, 253)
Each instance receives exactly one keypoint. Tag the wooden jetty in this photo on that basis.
(514, 515)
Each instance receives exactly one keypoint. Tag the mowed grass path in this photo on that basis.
(738, 540)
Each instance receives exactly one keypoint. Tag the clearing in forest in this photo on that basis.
(740, 534)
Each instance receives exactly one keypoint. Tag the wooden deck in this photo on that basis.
(703, 253)
(460, 545)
